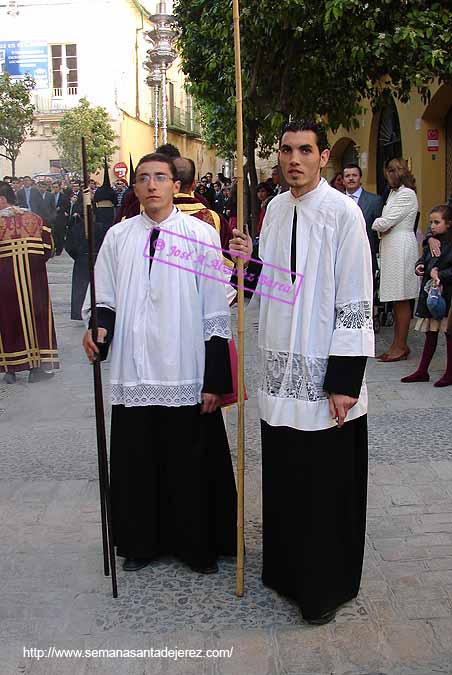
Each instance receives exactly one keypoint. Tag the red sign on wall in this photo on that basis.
(120, 170)
(433, 140)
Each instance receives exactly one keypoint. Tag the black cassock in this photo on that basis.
(172, 481)
(314, 498)
(314, 503)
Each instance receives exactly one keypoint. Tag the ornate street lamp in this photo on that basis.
(162, 54)
(154, 81)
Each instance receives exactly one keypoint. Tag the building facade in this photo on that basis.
(419, 132)
(93, 49)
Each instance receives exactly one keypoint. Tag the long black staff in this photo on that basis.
(104, 482)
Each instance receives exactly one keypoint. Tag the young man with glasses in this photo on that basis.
(312, 399)
(173, 493)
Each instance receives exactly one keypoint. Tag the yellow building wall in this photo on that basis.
(137, 138)
(415, 118)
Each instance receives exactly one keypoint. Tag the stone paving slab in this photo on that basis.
(52, 588)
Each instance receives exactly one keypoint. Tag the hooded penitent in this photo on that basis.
(130, 206)
(105, 192)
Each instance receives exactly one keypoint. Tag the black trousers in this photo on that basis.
(172, 484)
(59, 234)
(314, 513)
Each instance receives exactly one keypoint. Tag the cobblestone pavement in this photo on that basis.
(53, 591)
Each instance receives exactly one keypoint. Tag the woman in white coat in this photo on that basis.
(399, 252)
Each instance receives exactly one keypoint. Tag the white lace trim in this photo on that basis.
(156, 394)
(355, 315)
(219, 326)
(287, 375)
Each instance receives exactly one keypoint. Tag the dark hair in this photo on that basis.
(7, 192)
(335, 177)
(264, 186)
(169, 150)
(158, 157)
(186, 171)
(445, 210)
(351, 165)
(308, 125)
(24, 177)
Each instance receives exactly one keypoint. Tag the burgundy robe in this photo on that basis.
(27, 331)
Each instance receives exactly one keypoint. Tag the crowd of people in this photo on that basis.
(392, 221)
(173, 357)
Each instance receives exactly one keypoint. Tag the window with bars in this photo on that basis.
(64, 70)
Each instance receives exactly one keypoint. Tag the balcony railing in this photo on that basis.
(56, 101)
(183, 120)
(58, 92)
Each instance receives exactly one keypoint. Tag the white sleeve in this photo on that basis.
(212, 289)
(404, 203)
(353, 333)
(105, 278)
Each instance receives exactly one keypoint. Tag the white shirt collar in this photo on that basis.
(312, 193)
(150, 224)
(357, 194)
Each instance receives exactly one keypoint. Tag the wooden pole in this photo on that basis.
(241, 316)
(104, 481)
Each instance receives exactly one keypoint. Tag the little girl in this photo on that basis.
(439, 270)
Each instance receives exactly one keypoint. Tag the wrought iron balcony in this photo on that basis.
(183, 120)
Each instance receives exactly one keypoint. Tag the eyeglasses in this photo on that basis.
(144, 178)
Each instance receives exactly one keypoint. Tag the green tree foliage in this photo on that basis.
(16, 116)
(94, 124)
(307, 58)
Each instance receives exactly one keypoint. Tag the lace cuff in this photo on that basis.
(356, 315)
(219, 326)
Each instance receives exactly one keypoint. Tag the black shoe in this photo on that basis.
(210, 569)
(39, 375)
(9, 378)
(135, 564)
(323, 618)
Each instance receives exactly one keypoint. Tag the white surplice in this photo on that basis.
(332, 314)
(163, 317)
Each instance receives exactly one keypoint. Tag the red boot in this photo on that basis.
(446, 379)
(421, 374)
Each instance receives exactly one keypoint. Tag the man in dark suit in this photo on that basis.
(62, 208)
(29, 196)
(370, 204)
(46, 207)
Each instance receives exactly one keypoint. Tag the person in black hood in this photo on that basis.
(105, 200)
(130, 205)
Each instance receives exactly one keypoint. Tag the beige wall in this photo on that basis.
(137, 137)
(416, 118)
